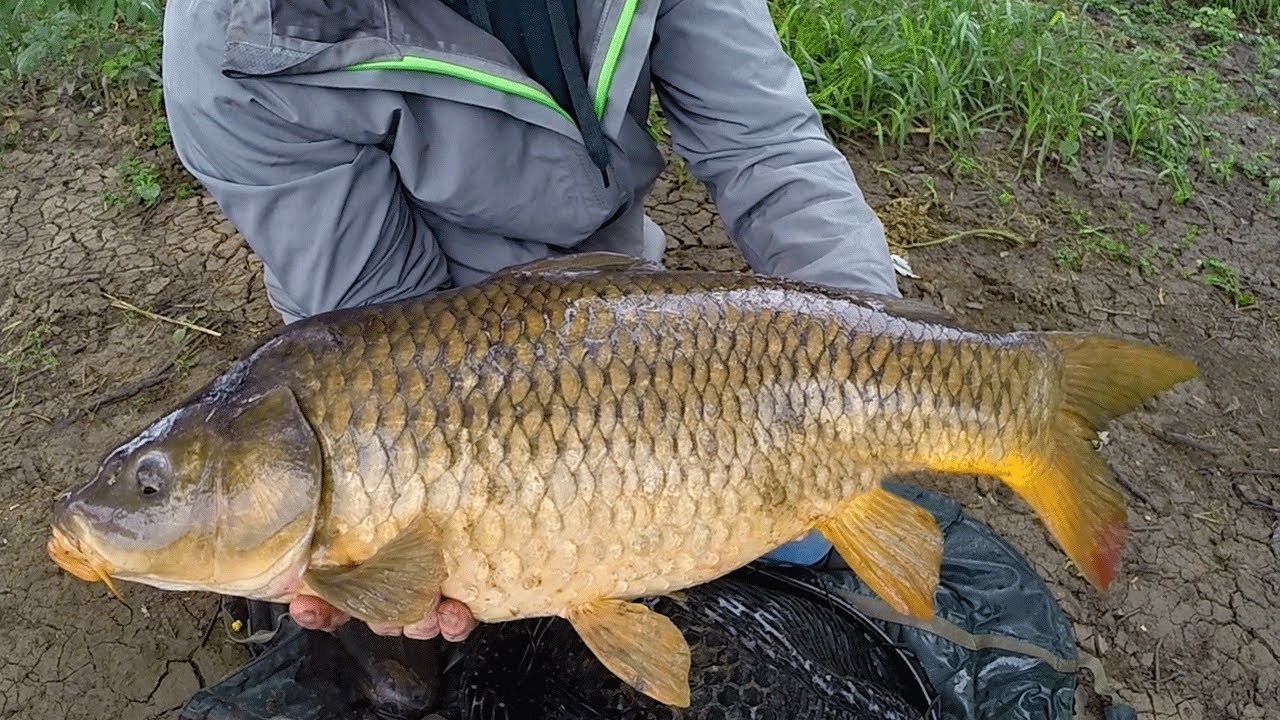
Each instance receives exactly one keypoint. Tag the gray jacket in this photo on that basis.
(369, 151)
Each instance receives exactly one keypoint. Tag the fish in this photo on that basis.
(575, 433)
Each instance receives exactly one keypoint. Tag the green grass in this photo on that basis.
(1092, 239)
(30, 352)
(948, 70)
(954, 68)
(1203, 31)
(1218, 274)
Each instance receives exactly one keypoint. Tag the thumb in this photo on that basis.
(312, 613)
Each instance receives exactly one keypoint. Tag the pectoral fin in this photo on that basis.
(398, 585)
(893, 545)
(643, 648)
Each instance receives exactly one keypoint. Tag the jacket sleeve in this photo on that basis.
(326, 215)
(741, 118)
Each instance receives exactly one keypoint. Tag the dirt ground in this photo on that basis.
(1189, 631)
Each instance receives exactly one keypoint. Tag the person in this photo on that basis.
(372, 151)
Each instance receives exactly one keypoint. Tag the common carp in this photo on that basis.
(573, 434)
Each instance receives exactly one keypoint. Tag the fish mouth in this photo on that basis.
(79, 562)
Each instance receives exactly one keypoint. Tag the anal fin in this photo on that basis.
(894, 546)
(397, 585)
(643, 648)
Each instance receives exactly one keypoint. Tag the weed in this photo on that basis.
(1255, 12)
(1216, 515)
(182, 333)
(31, 354)
(1217, 25)
(659, 131)
(1224, 168)
(185, 360)
(1273, 192)
(157, 134)
(99, 44)
(1089, 239)
(1111, 248)
(1146, 261)
(140, 183)
(1255, 168)
(931, 185)
(1069, 257)
(1222, 276)
(1188, 238)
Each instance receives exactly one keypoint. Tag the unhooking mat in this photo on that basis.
(767, 642)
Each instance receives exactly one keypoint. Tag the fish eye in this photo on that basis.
(151, 474)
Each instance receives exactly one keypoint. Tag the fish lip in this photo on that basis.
(84, 564)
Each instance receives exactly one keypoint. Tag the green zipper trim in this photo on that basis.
(511, 87)
(440, 67)
(611, 56)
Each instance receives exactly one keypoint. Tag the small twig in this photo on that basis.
(1137, 492)
(123, 305)
(1254, 502)
(1010, 237)
(1128, 313)
(129, 391)
(1177, 438)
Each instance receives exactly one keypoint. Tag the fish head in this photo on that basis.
(220, 495)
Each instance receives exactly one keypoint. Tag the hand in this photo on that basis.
(450, 619)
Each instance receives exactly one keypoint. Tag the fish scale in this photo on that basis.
(651, 405)
(577, 433)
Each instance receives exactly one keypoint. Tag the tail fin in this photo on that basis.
(1067, 483)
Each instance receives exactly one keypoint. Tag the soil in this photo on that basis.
(1188, 631)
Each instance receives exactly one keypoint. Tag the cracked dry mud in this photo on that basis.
(1189, 631)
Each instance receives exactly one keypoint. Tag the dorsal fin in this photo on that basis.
(585, 262)
(908, 309)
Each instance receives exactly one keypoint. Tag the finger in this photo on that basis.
(456, 620)
(313, 613)
(424, 629)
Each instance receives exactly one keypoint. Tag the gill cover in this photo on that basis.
(219, 495)
(268, 489)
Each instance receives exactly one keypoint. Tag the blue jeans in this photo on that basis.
(808, 550)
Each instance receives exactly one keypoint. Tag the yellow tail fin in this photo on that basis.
(1066, 482)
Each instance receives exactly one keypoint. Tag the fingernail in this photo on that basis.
(307, 619)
